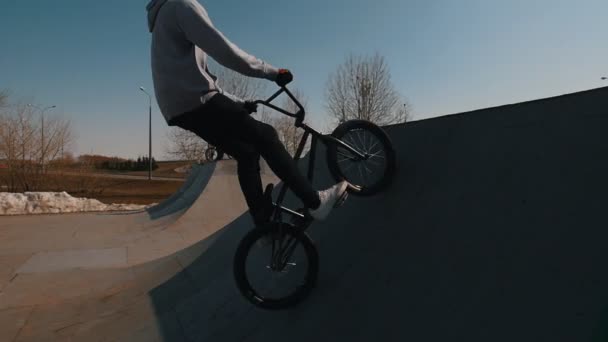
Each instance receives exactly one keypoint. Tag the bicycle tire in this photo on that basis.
(390, 164)
(299, 293)
(210, 154)
(214, 154)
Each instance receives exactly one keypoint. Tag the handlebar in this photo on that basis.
(299, 115)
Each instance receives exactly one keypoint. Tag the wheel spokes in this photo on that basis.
(366, 171)
(286, 273)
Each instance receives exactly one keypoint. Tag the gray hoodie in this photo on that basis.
(182, 36)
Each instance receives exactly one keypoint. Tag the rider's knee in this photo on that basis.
(268, 132)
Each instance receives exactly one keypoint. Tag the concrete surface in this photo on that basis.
(494, 230)
(48, 259)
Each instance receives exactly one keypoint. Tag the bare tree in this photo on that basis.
(59, 136)
(9, 150)
(24, 151)
(244, 87)
(265, 115)
(361, 88)
(19, 148)
(187, 145)
(3, 98)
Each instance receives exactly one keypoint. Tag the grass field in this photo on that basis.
(165, 169)
(111, 190)
(108, 190)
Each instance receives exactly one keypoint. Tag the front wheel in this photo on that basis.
(372, 173)
(276, 268)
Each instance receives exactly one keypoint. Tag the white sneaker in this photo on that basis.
(330, 198)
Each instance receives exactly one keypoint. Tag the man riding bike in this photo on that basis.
(189, 97)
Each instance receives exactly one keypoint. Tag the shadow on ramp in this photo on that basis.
(494, 230)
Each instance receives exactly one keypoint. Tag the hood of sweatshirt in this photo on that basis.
(153, 8)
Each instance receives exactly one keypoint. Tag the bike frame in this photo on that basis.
(316, 136)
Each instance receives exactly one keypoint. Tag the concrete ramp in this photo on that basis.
(494, 230)
(31, 233)
(37, 243)
(86, 240)
(40, 267)
(186, 195)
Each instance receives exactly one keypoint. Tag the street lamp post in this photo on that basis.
(149, 133)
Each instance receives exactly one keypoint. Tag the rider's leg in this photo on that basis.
(226, 124)
(248, 161)
(248, 171)
(236, 125)
(266, 140)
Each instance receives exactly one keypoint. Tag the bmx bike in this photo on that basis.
(275, 265)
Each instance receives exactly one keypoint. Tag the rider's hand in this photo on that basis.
(250, 106)
(284, 77)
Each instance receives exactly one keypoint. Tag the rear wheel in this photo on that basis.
(213, 154)
(372, 173)
(276, 273)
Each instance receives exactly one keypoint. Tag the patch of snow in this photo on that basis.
(55, 203)
(184, 169)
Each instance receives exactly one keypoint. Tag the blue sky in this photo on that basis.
(90, 57)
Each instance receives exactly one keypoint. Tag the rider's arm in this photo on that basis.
(198, 28)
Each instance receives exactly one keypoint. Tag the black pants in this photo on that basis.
(227, 125)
